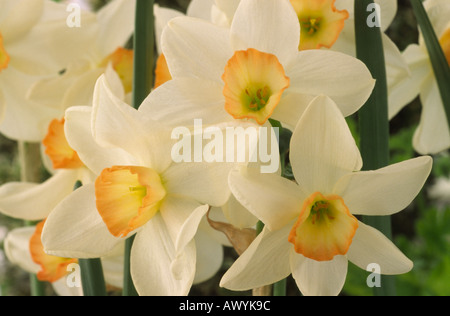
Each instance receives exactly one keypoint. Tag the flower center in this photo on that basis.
(4, 57)
(128, 197)
(58, 149)
(52, 268)
(324, 228)
(445, 44)
(162, 73)
(122, 63)
(320, 23)
(254, 83)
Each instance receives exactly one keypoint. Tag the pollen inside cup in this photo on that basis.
(52, 268)
(320, 23)
(4, 57)
(128, 197)
(122, 63)
(445, 44)
(325, 228)
(58, 149)
(254, 83)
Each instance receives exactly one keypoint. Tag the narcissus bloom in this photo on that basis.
(138, 191)
(252, 71)
(432, 135)
(310, 226)
(35, 41)
(23, 247)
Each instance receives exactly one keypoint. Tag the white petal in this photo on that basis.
(175, 211)
(162, 17)
(291, 108)
(152, 255)
(270, 26)
(202, 181)
(23, 119)
(271, 198)
(17, 248)
(237, 214)
(113, 269)
(35, 201)
(200, 9)
(388, 13)
(322, 147)
(61, 288)
(384, 191)
(196, 48)
(181, 100)
(51, 45)
(371, 246)
(404, 89)
(315, 278)
(79, 136)
(116, 124)
(432, 135)
(189, 228)
(116, 23)
(209, 257)
(343, 78)
(228, 7)
(265, 262)
(75, 229)
(18, 17)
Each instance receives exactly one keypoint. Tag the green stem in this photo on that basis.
(92, 278)
(373, 116)
(144, 51)
(128, 285)
(439, 63)
(144, 55)
(30, 171)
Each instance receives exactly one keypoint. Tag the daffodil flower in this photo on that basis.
(252, 71)
(138, 191)
(75, 86)
(23, 247)
(432, 135)
(35, 41)
(310, 229)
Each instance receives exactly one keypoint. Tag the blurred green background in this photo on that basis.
(422, 231)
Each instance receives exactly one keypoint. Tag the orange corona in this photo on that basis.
(325, 228)
(254, 83)
(52, 268)
(127, 197)
(320, 22)
(58, 149)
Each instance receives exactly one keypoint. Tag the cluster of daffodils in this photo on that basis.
(184, 193)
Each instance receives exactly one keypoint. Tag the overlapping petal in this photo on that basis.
(331, 150)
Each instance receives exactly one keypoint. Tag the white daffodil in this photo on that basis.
(114, 25)
(139, 190)
(35, 41)
(310, 226)
(23, 247)
(432, 135)
(252, 71)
